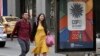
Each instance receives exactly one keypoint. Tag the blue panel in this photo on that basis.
(64, 38)
(4, 7)
(64, 34)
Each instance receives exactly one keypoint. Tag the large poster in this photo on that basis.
(76, 16)
(75, 27)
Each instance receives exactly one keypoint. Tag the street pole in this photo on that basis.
(28, 8)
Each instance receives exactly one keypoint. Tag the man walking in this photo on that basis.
(23, 30)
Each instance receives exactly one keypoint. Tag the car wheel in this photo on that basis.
(2, 44)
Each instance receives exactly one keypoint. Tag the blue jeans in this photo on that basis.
(25, 46)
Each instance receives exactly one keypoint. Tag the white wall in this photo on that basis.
(11, 7)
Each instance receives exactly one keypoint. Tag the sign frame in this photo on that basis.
(58, 50)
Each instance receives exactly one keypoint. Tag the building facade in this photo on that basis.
(3, 8)
(33, 7)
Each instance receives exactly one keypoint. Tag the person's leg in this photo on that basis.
(35, 54)
(23, 47)
(39, 55)
(27, 44)
(45, 54)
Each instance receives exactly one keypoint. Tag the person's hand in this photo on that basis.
(31, 40)
(48, 33)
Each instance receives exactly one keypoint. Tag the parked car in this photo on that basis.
(3, 36)
(9, 23)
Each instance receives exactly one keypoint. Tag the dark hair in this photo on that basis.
(38, 18)
(24, 14)
(43, 22)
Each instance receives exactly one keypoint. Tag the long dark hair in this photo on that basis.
(35, 26)
(43, 22)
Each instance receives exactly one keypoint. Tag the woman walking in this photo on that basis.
(39, 35)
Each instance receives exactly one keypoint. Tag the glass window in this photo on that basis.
(31, 7)
(1, 20)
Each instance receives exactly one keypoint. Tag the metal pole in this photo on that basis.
(28, 8)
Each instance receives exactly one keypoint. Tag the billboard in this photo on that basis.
(75, 28)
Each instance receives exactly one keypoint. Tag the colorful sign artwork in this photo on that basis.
(75, 28)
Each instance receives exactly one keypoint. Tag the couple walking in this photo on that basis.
(38, 34)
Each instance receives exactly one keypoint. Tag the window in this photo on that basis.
(1, 20)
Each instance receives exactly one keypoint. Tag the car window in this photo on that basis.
(1, 30)
(11, 19)
(1, 20)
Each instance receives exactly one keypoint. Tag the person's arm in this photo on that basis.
(15, 31)
(30, 29)
(33, 31)
(45, 28)
(15, 28)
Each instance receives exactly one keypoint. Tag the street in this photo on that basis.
(12, 48)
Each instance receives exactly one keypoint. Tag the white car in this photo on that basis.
(3, 36)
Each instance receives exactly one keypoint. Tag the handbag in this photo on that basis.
(50, 40)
